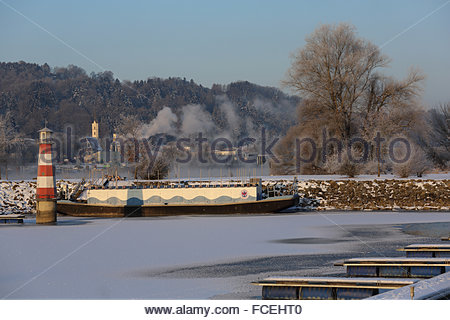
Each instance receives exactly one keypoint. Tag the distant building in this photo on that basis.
(114, 150)
(115, 145)
(91, 151)
(95, 129)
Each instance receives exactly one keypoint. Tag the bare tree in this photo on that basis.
(129, 126)
(416, 164)
(334, 69)
(437, 142)
(153, 169)
(337, 75)
(128, 129)
(10, 140)
(337, 70)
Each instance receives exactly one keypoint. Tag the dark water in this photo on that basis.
(433, 229)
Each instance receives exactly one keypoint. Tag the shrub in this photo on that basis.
(418, 163)
(349, 169)
(148, 170)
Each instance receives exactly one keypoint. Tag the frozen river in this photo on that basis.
(194, 257)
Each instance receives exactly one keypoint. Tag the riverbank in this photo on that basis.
(325, 193)
(18, 196)
(374, 195)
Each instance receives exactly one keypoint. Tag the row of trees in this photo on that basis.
(346, 96)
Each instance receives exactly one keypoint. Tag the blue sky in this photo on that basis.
(220, 41)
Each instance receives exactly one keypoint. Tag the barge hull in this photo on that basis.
(110, 211)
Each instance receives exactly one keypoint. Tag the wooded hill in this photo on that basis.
(34, 93)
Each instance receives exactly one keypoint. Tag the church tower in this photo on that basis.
(95, 129)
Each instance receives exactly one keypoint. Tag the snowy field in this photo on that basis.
(192, 257)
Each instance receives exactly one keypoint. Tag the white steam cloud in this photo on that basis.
(196, 119)
(163, 123)
(233, 121)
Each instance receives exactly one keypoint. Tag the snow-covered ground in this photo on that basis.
(190, 257)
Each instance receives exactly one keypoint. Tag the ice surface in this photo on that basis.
(121, 258)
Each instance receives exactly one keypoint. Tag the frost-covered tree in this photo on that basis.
(128, 129)
(338, 76)
(153, 168)
(417, 163)
(339, 72)
(10, 141)
(438, 144)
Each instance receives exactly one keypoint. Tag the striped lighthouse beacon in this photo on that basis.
(46, 182)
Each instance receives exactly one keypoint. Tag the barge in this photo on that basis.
(176, 199)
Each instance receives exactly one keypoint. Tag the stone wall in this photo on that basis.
(19, 196)
(375, 194)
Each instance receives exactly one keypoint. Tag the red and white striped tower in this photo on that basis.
(46, 182)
